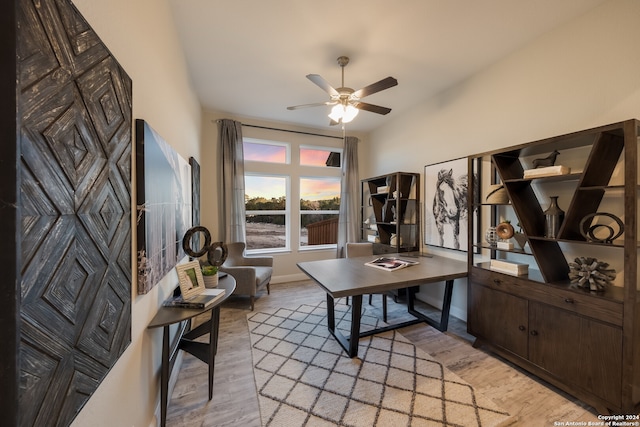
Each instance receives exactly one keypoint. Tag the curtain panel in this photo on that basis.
(348, 214)
(233, 212)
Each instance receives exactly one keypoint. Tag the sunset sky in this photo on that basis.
(270, 187)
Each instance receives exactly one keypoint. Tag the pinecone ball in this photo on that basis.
(589, 273)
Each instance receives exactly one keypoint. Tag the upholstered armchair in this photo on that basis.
(251, 273)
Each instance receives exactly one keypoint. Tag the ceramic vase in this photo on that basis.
(211, 281)
(553, 218)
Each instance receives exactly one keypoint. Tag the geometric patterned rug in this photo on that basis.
(304, 378)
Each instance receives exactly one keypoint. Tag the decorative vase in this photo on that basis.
(553, 218)
(491, 236)
(211, 281)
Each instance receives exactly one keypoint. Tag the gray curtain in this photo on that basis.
(233, 213)
(348, 226)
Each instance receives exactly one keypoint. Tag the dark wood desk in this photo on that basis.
(349, 277)
(185, 339)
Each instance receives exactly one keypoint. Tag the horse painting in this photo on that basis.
(450, 204)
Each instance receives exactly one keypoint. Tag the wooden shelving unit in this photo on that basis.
(586, 343)
(390, 214)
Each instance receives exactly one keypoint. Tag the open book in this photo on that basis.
(390, 263)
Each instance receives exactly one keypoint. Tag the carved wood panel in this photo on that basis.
(75, 140)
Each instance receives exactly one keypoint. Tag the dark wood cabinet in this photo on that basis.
(390, 212)
(582, 341)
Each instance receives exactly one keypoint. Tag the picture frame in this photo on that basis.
(446, 201)
(163, 203)
(190, 279)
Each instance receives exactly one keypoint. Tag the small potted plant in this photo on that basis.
(210, 276)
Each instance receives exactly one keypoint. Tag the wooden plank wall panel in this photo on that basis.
(75, 138)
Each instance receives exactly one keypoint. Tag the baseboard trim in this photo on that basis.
(289, 278)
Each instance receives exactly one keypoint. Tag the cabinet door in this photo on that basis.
(578, 350)
(499, 318)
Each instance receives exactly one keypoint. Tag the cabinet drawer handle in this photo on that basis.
(534, 333)
(569, 300)
(521, 327)
(497, 281)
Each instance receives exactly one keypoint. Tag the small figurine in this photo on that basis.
(550, 160)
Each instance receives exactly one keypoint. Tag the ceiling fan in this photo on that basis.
(345, 100)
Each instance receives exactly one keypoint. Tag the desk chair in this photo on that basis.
(365, 249)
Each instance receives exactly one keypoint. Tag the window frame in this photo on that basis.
(292, 171)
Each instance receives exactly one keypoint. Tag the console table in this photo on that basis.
(185, 339)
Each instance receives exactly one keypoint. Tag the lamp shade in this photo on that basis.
(344, 113)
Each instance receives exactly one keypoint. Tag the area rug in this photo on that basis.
(304, 378)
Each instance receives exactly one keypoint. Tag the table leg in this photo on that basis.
(350, 345)
(443, 324)
(213, 345)
(331, 316)
(356, 310)
(164, 377)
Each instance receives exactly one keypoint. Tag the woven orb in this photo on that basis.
(589, 273)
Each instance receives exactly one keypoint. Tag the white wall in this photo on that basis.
(583, 74)
(141, 36)
(284, 267)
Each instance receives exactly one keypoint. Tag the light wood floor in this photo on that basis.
(235, 401)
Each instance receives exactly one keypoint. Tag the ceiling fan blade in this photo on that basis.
(333, 122)
(375, 87)
(373, 108)
(316, 104)
(323, 84)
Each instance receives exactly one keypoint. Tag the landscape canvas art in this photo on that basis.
(163, 206)
(446, 204)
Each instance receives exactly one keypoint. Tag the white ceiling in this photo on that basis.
(250, 57)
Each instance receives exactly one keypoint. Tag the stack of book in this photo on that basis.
(202, 300)
(509, 267)
(547, 171)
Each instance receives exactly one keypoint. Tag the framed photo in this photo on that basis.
(190, 278)
(446, 204)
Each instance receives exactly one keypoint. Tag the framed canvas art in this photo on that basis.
(164, 205)
(446, 204)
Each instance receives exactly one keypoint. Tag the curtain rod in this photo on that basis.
(288, 130)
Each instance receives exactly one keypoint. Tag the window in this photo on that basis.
(256, 150)
(319, 208)
(314, 156)
(266, 211)
(277, 173)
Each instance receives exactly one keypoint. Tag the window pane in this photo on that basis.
(265, 203)
(266, 232)
(319, 157)
(323, 196)
(318, 229)
(320, 194)
(264, 152)
(265, 193)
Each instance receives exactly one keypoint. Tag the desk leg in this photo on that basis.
(446, 306)
(331, 314)
(350, 345)
(213, 345)
(356, 311)
(164, 377)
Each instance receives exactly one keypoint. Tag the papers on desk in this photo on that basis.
(390, 263)
(200, 301)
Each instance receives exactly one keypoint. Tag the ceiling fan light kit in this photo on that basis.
(343, 113)
(346, 102)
